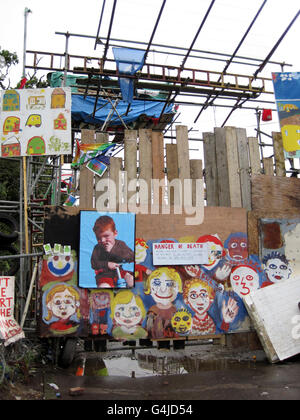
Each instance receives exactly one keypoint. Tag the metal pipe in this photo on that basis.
(262, 66)
(26, 12)
(154, 29)
(99, 26)
(10, 257)
(197, 34)
(109, 32)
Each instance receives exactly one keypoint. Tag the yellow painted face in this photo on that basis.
(182, 322)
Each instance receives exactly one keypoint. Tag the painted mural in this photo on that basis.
(35, 122)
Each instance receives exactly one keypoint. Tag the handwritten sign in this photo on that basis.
(10, 331)
(179, 253)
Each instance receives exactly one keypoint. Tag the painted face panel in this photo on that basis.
(128, 314)
(60, 264)
(63, 305)
(199, 300)
(244, 280)
(100, 300)
(238, 249)
(277, 270)
(182, 322)
(163, 289)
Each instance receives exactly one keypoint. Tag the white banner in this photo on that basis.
(166, 253)
(10, 330)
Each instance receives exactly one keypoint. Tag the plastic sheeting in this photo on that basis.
(83, 108)
(129, 61)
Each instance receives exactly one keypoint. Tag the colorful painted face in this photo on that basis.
(182, 322)
(215, 252)
(277, 270)
(244, 280)
(163, 289)
(63, 305)
(199, 300)
(128, 314)
(107, 239)
(140, 253)
(60, 264)
(238, 249)
(100, 300)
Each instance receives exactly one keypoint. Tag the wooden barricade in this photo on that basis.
(231, 159)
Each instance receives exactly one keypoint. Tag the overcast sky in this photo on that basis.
(180, 20)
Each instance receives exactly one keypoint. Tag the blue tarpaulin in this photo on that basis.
(83, 108)
(129, 61)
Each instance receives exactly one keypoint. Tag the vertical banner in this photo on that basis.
(10, 331)
(287, 95)
(35, 122)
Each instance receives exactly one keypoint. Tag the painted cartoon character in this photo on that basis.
(163, 284)
(182, 322)
(99, 303)
(276, 267)
(58, 267)
(128, 313)
(62, 309)
(141, 271)
(237, 247)
(199, 296)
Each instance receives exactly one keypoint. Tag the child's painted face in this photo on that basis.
(214, 255)
(238, 249)
(63, 305)
(100, 300)
(128, 314)
(140, 253)
(199, 300)
(277, 270)
(107, 239)
(163, 289)
(181, 322)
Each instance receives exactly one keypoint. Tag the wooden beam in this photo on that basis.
(211, 174)
(254, 156)
(244, 169)
(278, 154)
(87, 176)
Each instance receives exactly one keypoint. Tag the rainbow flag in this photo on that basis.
(87, 152)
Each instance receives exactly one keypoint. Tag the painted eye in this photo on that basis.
(234, 245)
(273, 266)
(193, 295)
(156, 282)
(283, 267)
(56, 258)
(249, 277)
(185, 318)
(67, 258)
(236, 277)
(243, 244)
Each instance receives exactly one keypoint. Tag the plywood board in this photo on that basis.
(276, 317)
(275, 193)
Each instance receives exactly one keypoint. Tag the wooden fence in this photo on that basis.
(230, 160)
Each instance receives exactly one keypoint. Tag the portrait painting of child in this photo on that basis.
(106, 255)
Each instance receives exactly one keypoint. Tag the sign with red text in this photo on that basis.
(177, 253)
(10, 330)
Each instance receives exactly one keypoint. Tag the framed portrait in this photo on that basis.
(106, 250)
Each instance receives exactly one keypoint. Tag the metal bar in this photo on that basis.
(154, 29)
(99, 26)
(109, 32)
(10, 257)
(262, 66)
(197, 34)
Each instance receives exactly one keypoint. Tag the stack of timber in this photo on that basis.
(231, 160)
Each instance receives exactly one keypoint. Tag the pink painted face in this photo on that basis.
(238, 249)
(244, 279)
(163, 289)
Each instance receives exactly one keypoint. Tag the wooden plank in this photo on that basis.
(183, 152)
(275, 193)
(233, 167)
(211, 174)
(172, 168)
(145, 163)
(87, 176)
(244, 168)
(196, 173)
(268, 166)
(115, 183)
(130, 161)
(222, 168)
(278, 154)
(101, 138)
(157, 169)
(254, 156)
